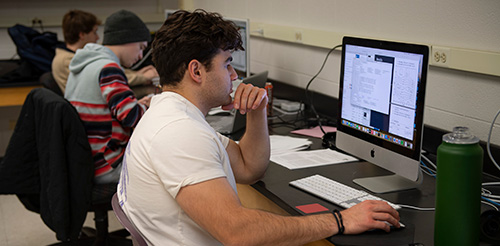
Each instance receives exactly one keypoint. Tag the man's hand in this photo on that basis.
(145, 100)
(248, 98)
(369, 215)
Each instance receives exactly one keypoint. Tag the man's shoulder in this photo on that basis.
(64, 51)
(63, 54)
(93, 55)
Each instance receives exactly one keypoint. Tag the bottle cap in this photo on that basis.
(460, 135)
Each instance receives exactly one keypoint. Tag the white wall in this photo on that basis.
(453, 97)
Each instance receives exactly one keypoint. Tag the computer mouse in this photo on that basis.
(393, 228)
(401, 226)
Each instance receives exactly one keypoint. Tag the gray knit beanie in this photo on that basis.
(124, 27)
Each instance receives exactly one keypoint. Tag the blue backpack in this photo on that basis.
(36, 48)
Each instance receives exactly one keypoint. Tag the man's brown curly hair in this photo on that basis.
(186, 36)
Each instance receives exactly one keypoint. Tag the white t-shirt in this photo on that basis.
(172, 146)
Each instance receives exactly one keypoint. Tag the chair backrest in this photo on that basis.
(47, 80)
(123, 219)
(49, 157)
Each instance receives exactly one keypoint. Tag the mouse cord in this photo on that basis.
(415, 208)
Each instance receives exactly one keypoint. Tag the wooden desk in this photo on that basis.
(14, 96)
(250, 198)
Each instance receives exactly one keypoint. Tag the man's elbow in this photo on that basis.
(258, 177)
(252, 178)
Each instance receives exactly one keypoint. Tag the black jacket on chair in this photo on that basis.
(48, 163)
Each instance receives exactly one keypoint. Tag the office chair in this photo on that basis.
(47, 80)
(101, 204)
(137, 238)
(48, 164)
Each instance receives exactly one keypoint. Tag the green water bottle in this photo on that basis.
(458, 189)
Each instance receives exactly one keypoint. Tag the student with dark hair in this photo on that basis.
(80, 28)
(178, 184)
(98, 88)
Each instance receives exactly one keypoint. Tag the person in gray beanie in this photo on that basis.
(99, 90)
(125, 27)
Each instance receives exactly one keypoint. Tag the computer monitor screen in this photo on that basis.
(381, 107)
(169, 12)
(241, 58)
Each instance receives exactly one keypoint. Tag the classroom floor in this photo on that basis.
(20, 227)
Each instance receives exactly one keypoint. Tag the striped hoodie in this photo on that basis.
(98, 89)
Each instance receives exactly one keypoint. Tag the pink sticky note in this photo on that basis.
(311, 208)
(315, 131)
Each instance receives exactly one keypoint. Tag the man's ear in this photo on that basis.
(195, 70)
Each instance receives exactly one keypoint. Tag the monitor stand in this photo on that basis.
(390, 183)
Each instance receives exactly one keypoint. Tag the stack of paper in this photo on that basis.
(285, 144)
(285, 152)
(311, 158)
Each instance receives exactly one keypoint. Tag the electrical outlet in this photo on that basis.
(298, 36)
(441, 56)
(259, 30)
(36, 21)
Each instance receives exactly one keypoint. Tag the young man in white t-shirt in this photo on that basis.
(178, 183)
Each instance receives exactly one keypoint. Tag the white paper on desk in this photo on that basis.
(311, 158)
(285, 144)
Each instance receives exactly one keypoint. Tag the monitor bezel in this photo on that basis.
(169, 12)
(247, 38)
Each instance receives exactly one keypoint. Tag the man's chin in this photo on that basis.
(228, 105)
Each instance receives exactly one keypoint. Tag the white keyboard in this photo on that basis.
(335, 192)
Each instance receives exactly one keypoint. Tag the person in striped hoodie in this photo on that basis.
(98, 88)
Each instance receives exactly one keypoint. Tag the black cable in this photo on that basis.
(292, 123)
(310, 99)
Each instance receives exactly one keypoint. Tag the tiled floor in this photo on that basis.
(20, 227)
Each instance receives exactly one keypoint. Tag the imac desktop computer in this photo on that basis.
(241, 58)
(381, 109)
(169, 12)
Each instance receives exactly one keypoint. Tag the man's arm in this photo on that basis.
(142, 76)
(250, 158)
(119, 97)
(215, 206)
